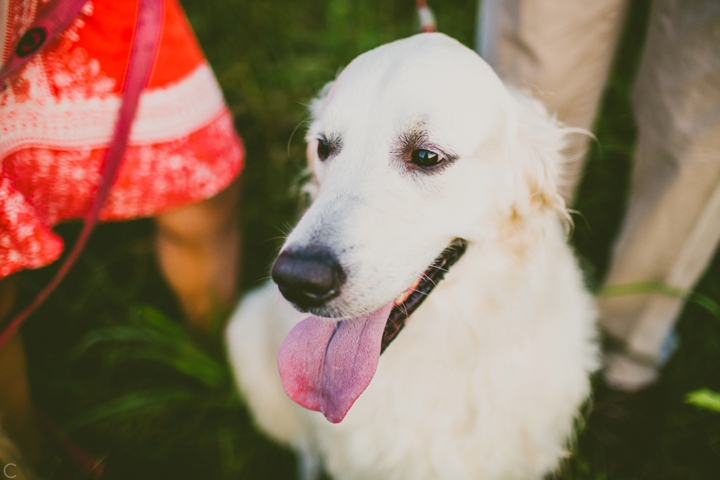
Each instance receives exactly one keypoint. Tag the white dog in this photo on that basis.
(422, 157)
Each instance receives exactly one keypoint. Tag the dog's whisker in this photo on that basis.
(271, 239)
(284, 229)
(439, 268)
(429, 279)
(302, 122)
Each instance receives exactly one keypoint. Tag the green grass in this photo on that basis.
(111, 361)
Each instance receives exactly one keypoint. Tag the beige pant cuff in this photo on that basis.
(624, 373)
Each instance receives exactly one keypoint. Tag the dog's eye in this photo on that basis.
(323, 149)
(426, 158)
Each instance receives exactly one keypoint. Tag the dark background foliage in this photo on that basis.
(112, 363)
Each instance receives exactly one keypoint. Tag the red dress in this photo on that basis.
(57, 117)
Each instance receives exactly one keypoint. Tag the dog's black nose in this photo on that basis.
(308, 277)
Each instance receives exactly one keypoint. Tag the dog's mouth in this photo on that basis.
(326, 364)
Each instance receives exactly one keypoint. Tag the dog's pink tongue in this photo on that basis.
(326, 365)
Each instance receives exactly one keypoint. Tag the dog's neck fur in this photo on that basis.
(497, 270)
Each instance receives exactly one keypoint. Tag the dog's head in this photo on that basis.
(416, 144)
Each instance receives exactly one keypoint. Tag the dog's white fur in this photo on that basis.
(488, 375)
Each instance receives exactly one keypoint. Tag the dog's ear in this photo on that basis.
(538, 148)
(537, 141)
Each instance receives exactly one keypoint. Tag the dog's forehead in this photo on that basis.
(426, 79)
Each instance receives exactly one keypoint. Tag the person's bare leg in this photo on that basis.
(17, 414)
(198, 250)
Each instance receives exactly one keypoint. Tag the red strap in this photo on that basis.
(427, 19)
(142, 57)
(90, 466)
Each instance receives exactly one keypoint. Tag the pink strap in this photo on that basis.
(61, 13)
(427, 19)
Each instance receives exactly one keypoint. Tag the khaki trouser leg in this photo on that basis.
(672, 226)
(561, 51)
